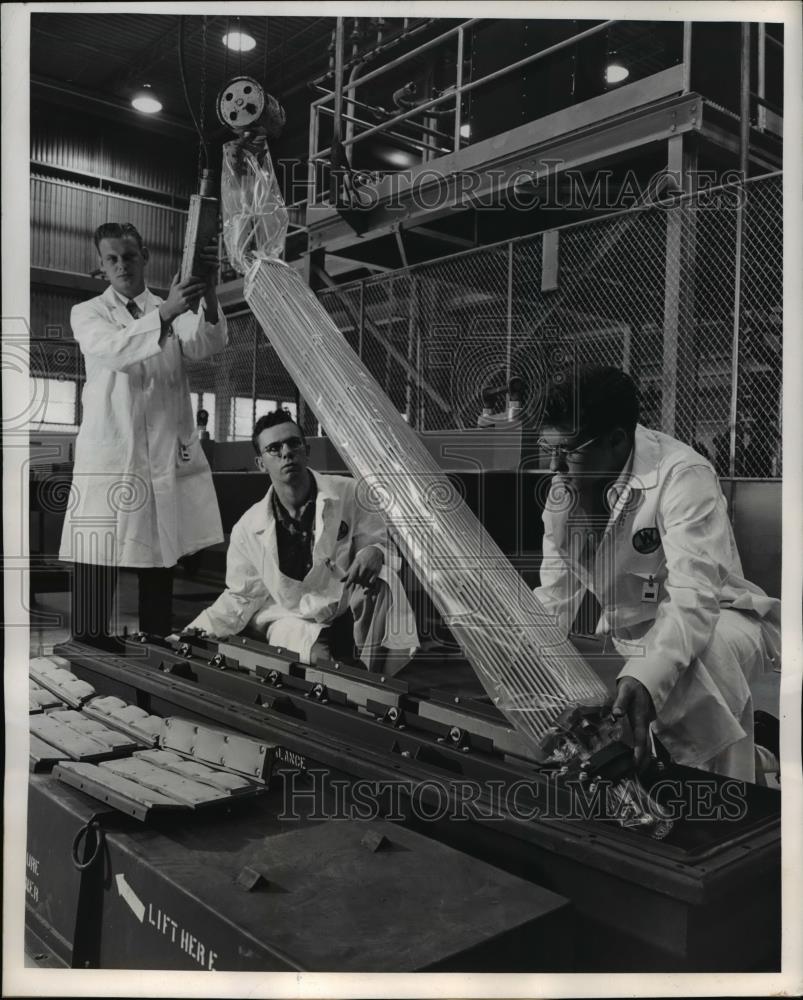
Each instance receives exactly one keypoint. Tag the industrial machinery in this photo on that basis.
(379, 767)
(243, 106)
(202, 226)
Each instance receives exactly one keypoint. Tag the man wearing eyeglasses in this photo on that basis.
(309, 567)
(639, 519)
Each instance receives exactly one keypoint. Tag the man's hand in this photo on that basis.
(634, 701)
(364, 570)
(183, 295)
(211, 261)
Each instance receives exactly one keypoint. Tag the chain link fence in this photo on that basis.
(686, 296)
(240, 384)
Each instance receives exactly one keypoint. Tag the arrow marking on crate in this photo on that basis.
(133, 900)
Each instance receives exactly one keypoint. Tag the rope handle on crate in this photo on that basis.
(92, 824)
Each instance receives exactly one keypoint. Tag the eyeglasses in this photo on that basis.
(562, 450)
(274, 449)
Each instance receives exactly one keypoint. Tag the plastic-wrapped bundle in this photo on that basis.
(525, 664)
(254, 215)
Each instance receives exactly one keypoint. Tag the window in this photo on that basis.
(241, 415)
(241, 418)
(265, 406)
(53, 404)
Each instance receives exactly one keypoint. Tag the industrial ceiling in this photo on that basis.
(99, 61)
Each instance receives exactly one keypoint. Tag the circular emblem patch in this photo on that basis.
(342, 531)
(646, 541)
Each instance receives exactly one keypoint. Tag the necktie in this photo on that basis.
(133, 308)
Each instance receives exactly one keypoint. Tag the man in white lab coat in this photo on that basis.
(310, 567)
(142, 493)
(639, 519)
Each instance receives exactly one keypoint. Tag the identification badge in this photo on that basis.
(183, 452)
(649, 591)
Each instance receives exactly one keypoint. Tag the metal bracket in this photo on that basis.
(226, 750)
(374, 841)
(250, 879)
(495, 731)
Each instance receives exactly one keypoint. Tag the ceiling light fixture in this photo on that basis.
(239, 41)
(616, 72)
(146, 101)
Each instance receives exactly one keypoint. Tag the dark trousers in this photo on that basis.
(93, 597)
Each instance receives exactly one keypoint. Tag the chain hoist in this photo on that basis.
(202, 216)
(202, 108)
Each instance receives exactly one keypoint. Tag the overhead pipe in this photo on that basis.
(355, 69)
(380, 112)
(372, 54)
(482, 81)
(406, 140)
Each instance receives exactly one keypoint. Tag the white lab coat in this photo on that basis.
(708, 632)
(142, 493)
(294, 612)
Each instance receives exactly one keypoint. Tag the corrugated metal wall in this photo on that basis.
(50, 311)
(112, 151)
(100, 153)
(64, 215)
(54, 353)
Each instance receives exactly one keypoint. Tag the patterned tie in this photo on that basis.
(133, 308)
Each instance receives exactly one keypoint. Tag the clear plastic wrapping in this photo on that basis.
(525, 664)
(254, 213)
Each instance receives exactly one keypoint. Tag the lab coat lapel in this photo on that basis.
(568, 531)
(597, 568)
(628, 496)
(644, 468)
(327, 522)
(266, 531)
(119, 313)
(583, 552)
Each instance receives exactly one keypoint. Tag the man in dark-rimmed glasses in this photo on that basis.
(309, 567)
(639, 519)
